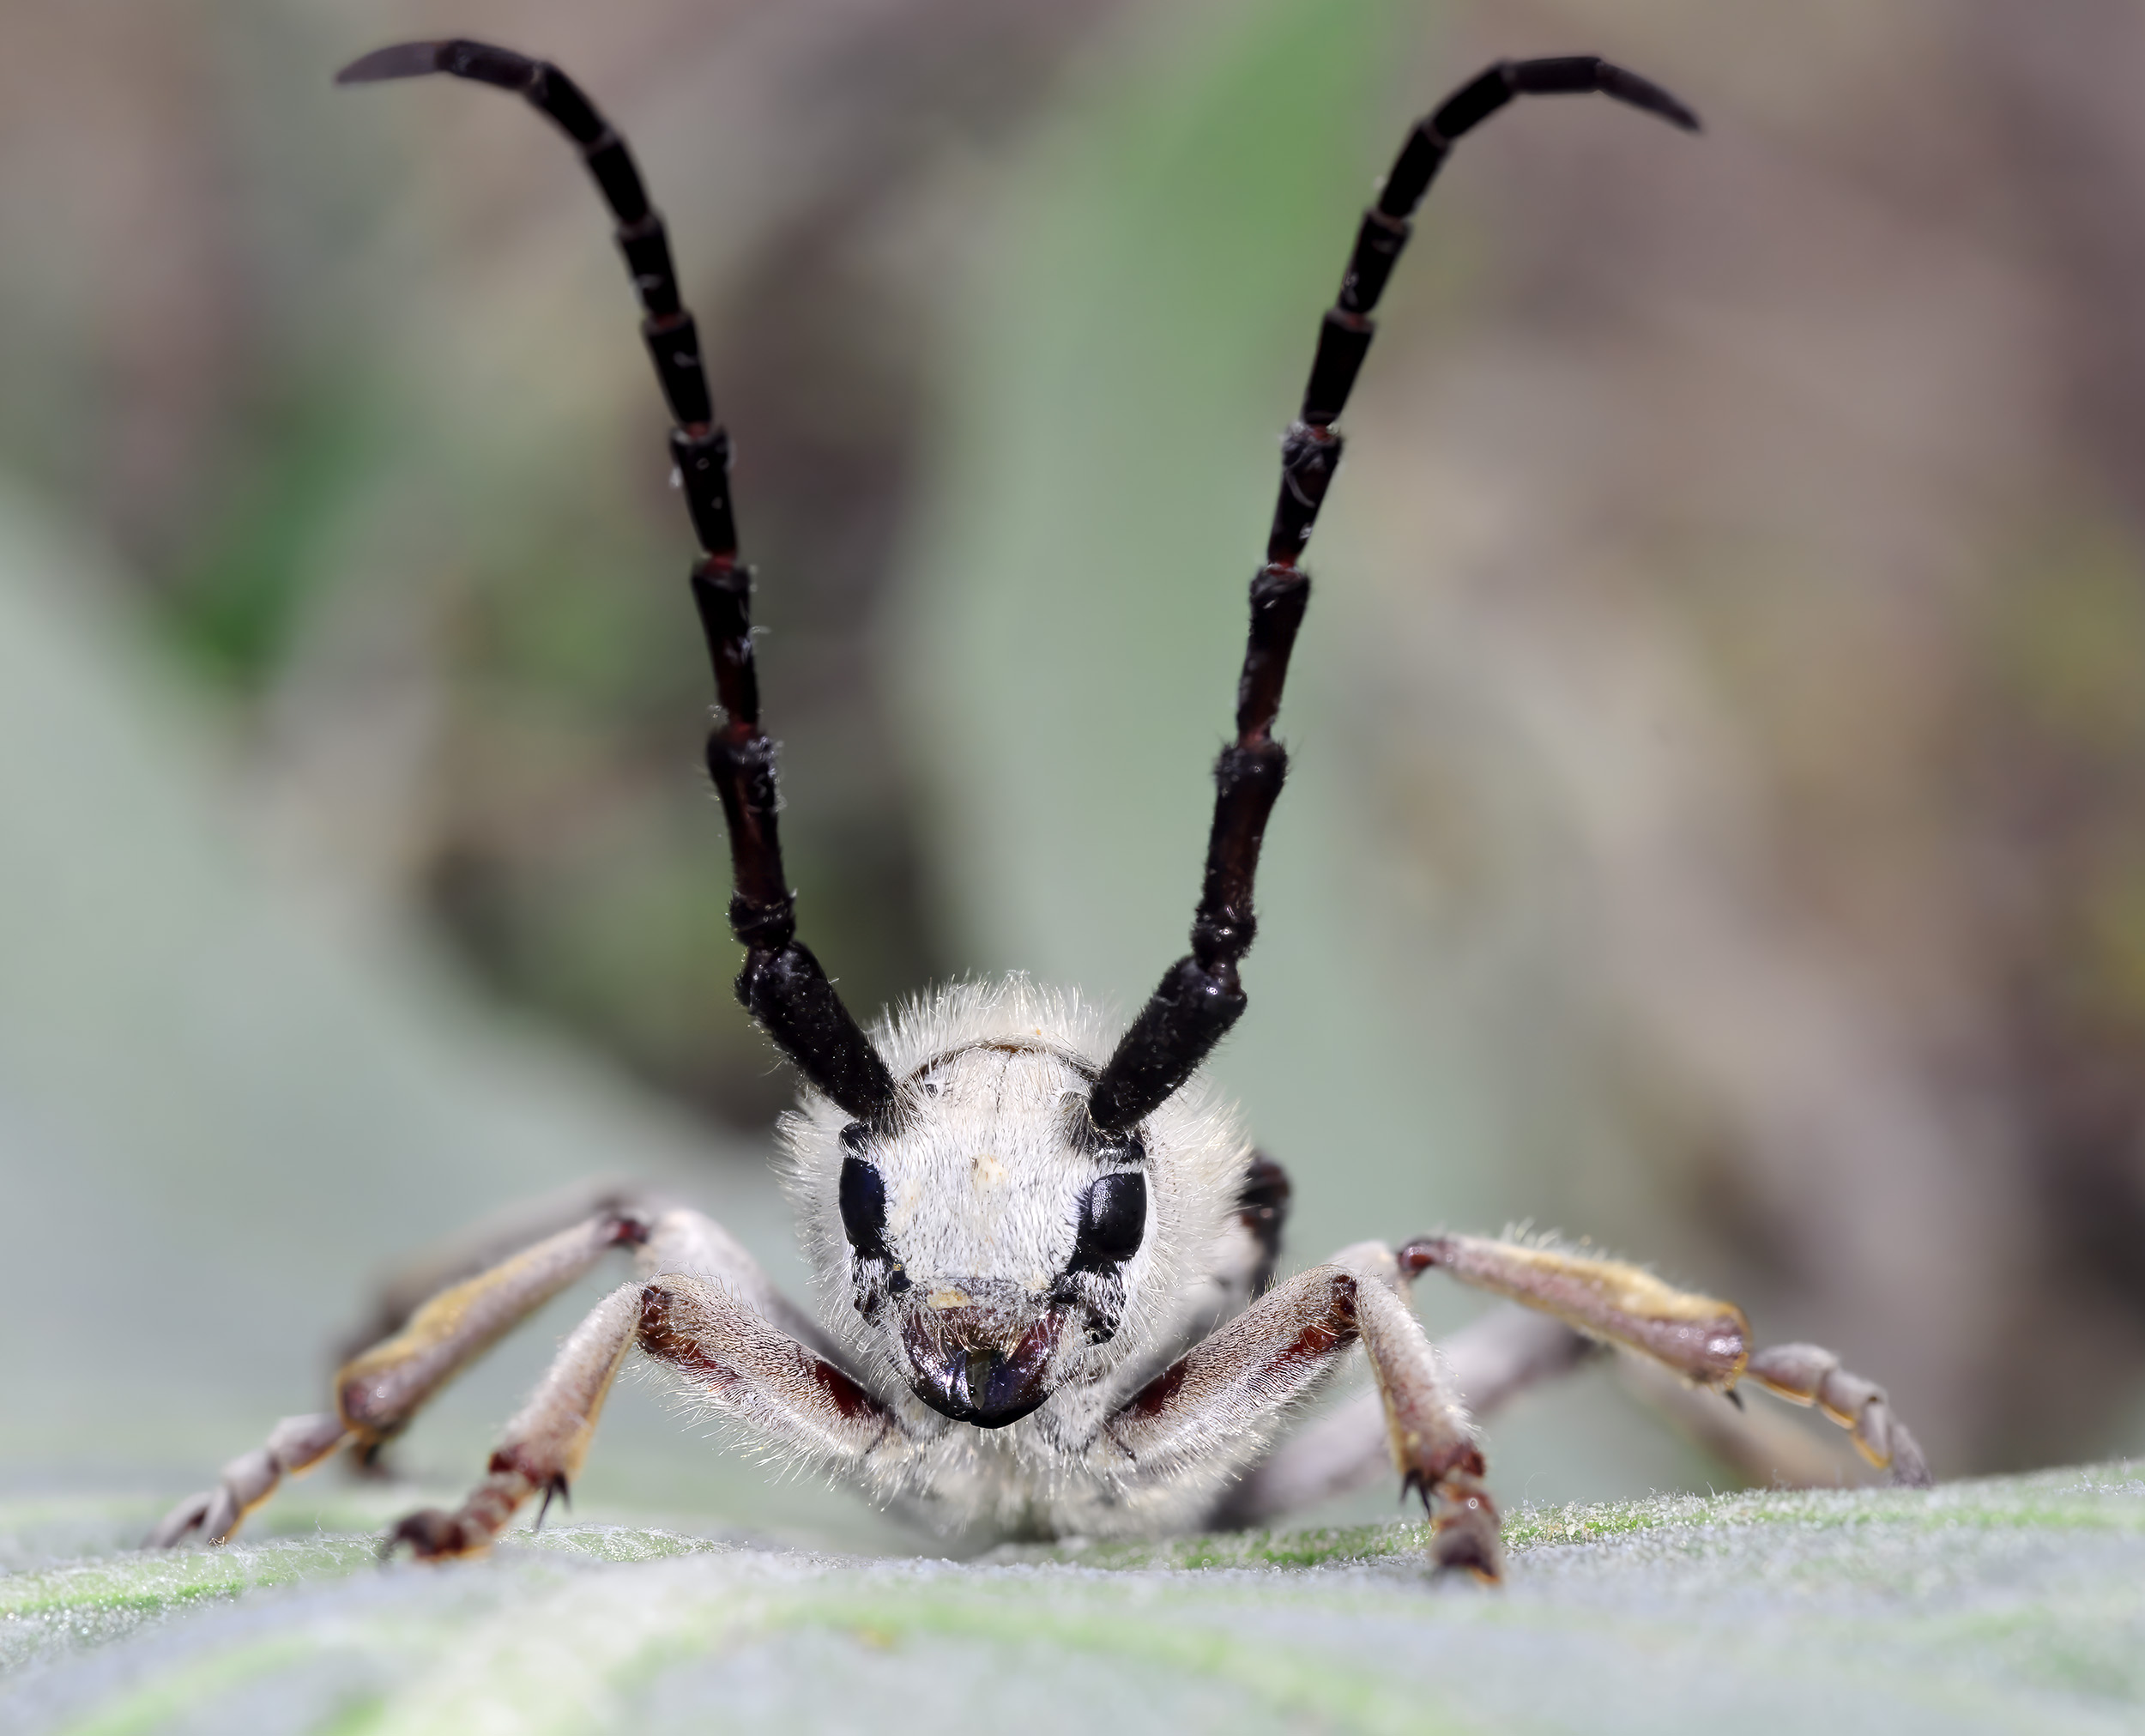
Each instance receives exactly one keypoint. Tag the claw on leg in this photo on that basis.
(1464, 1523)
(294, 1445)
(556, 1489)
(435, 1534)
(181, 1521)
(1464, 1530)
(543, 1445)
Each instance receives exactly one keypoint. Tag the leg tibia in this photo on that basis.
(294, 1445)
(380, 1391)
(480, 1246)
(1432, 1441)
(543, 1448)
(1807, 1374)
(1704, 1340)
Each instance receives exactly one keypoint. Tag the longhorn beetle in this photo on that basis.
(1044, 1248)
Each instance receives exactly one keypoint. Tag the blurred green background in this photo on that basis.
(1719, 734)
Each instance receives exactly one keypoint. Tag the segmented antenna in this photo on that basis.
(1201, 996)
(782, 985)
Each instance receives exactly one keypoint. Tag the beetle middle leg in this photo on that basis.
(378, 1393)
(1704, 1340)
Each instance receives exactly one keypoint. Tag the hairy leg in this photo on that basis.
(729, 1359)
(1218, 1402)
(379, 1392)
(1488, 1362)
(541, 1449)
(478, 1246)
(1704, 1341)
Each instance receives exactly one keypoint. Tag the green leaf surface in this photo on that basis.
(2013, 1604)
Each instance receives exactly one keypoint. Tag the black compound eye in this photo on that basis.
(1113, 1220)
(863, 1198)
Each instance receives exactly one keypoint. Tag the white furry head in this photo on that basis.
(994, 1250)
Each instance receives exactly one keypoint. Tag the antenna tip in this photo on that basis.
(402, 60)
(1643, 93)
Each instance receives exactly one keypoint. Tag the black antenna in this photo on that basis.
(782, 985)
(1201, 997)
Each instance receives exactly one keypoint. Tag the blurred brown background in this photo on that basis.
(1720, 732)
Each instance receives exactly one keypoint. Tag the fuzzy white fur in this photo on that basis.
(983, 1196)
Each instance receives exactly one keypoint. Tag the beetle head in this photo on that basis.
(992, 1246)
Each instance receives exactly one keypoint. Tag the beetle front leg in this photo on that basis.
(1217, 1402)
(735, 1365)
(729, 1359)
(1485, 1364)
